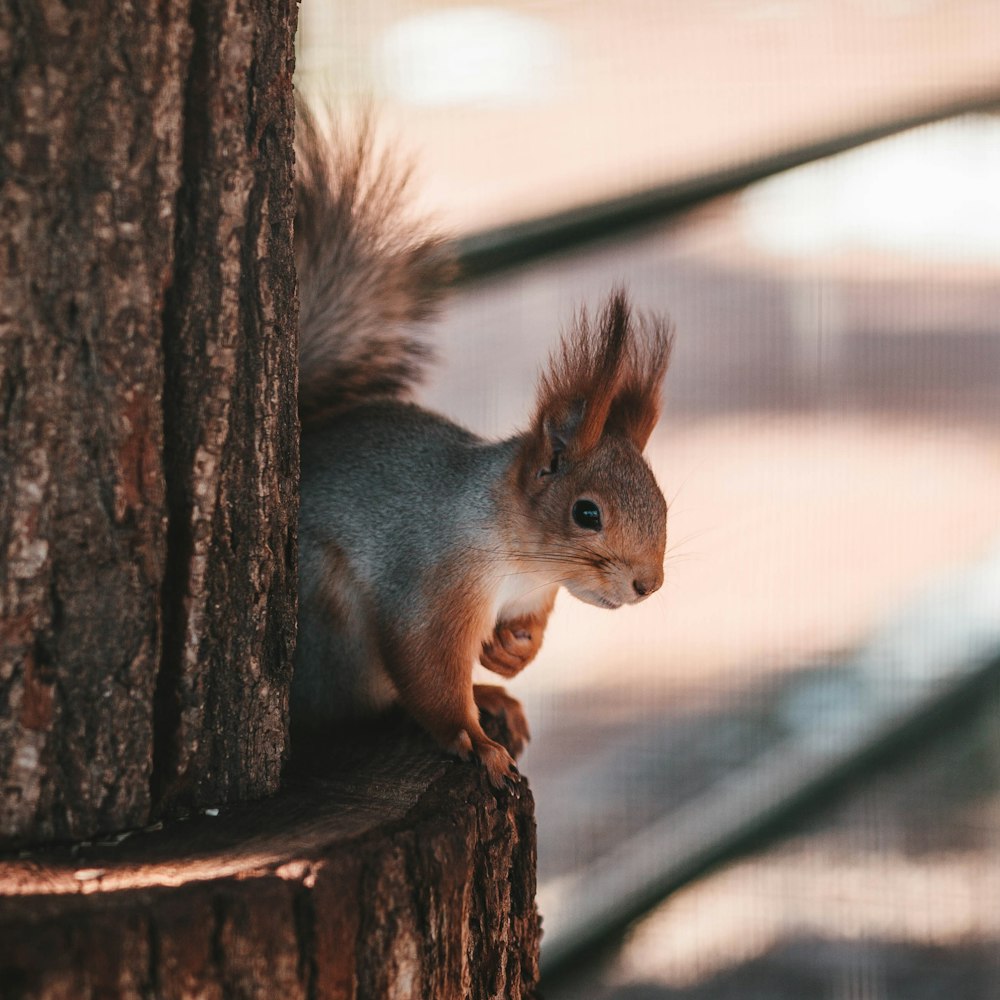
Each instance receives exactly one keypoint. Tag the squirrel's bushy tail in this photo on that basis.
(369, 273)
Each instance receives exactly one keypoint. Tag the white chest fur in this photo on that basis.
(520, 591)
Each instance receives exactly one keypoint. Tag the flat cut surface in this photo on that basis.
(369, 783)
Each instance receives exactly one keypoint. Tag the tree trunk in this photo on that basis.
(394, 875)
(148, 452)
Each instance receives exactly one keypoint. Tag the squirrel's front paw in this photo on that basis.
(511, 649)
(499, 764)
(492, 699)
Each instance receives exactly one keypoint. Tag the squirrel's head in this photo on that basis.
(598, 516)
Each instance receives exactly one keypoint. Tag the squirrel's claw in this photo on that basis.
(512, 778)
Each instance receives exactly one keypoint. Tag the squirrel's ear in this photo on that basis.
(555, 434)
(575, 394)
(636, 407)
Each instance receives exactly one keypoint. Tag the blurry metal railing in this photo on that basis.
(489, 251)
(941, 652)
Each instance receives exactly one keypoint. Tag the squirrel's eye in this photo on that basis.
(587, 514)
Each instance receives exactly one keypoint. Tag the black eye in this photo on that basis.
(587, 514)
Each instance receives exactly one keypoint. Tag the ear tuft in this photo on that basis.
(605, 376)
(575, 393)
(636, 406)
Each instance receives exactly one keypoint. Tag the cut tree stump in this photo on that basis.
(385, 870)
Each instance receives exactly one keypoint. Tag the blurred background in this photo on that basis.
(780, 777)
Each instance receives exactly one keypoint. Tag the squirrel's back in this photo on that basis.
(369, 275)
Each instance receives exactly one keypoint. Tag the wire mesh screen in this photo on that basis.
(830, 449)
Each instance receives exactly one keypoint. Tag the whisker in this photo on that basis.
(673, 547)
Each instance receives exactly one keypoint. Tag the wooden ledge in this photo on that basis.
(383, 869)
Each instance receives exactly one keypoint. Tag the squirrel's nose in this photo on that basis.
(647, 584)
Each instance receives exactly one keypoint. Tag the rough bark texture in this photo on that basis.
(230, 424)
(398, 875)
(147, 427)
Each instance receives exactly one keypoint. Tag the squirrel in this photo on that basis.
(422, 547)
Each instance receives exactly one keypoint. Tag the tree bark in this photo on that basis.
(395, 874)
(148, 449)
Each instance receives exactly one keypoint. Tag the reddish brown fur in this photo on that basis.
(445, 646)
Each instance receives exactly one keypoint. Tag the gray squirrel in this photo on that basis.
(422, 547)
